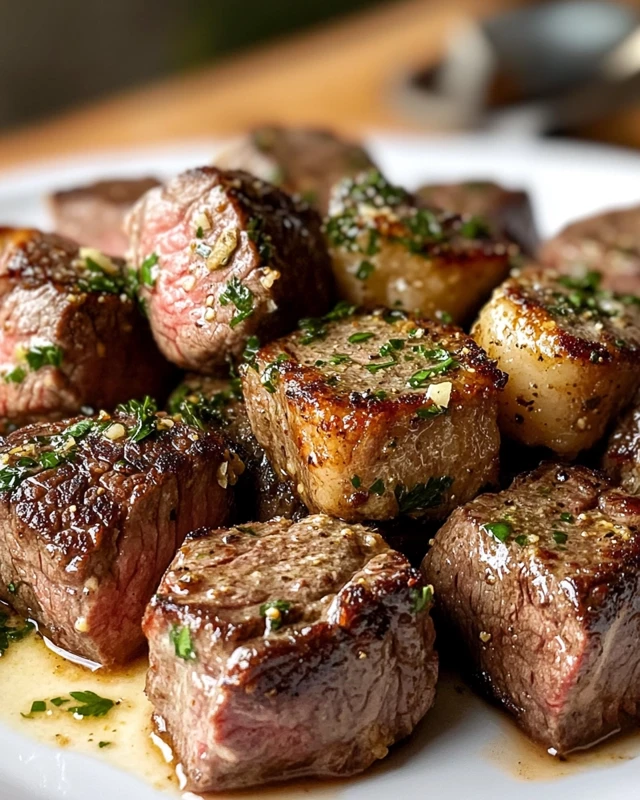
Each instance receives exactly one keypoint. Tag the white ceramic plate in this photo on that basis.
(463, 748)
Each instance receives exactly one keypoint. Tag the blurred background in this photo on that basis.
(89, 75)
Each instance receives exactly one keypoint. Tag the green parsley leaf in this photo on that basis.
(43, 355)
(145, 417)
(421, 598)
(250, 351)
(199, 232)
(239, 295)
(422, 495)
(429, 412)
(16, 375)
(246, 529)
(361, 336)
(59, 701)
(274, 611)
(147, 272)
(180, 638)
(91, 704)
(559, 537)
(103, 744)
(271, 373)
(365, 270)
(38, 706)
(475, 228)
(499, 530)
(373, 368)
(356, 482)
(566, 517)
(377, 487)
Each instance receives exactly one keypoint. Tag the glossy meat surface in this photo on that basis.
(71, 333)
(572, 353)
(508, 211)
(91, 518)
(94, 214)
(377, 415)
(233, 257)
(389, 251)
(217, 404)
(302, 161)
(284, 650)
(541, 584)
(608, 243)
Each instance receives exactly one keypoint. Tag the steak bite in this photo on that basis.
(608, 243)
(508, 211)
(541, 583)
(377, 415)
(621, 459)
(92, 512)
(71, 334)
(572, 353)
(302, 161)
(94, 214)
(231, 257)
(286, 650)
(388, 251)
(217, 404)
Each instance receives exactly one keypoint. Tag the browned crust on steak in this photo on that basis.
(350, 627)
(252, 233)
(84, 543)
(107, 352)
(328, 427)
(547, 612)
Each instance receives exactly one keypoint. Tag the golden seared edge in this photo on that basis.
(386, 250)
(377, 415)
(572, 353)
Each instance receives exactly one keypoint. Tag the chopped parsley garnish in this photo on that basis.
(315, 328)
(250, 350)
(239, 295)
(377, 487)
(422, 495)
(390, 347)
(144, 412)
(38, 706)
(12, 587)
(147, 272)
(559, 537)
(90, 704)
(444, 362)
(444, 316)
(199, 232)
(274, 611)
(16, 375)
(59, 701)
(96, 279)
(373, 368)
(475, 228)
(429, 412)
(12, 633)
(339, 358)
(361, 336)
(566, 517)
(262, 240)
(271, 373)
(197, 409)
(421, 598)
(356, 482)
(500, 530)
(40, 355)
(180, 638)
(521, 539)
(365, 270)
(246, 529)
(103, 744)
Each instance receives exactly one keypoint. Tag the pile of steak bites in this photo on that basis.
(356, 359)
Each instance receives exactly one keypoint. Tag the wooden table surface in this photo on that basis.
(343, 75)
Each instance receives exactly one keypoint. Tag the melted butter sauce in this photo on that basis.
(34, 672)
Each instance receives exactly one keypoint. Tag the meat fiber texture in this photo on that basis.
(541, 584)
(232, 257)
(284, 650)
(377, 415)
(90, 518)
(71, 335)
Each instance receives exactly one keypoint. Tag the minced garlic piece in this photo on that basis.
(440, 393)
(223, 249)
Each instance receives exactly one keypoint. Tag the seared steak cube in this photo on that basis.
(303, 161)
(572, 353)
(94, 214)
(541, 583)
(71, 334)
(377, 415)
(230, 256)
(608, 243)
(217, 404)
(622, 456)
(91, 513)
(283, 650)
(388, 251)
(508, 211)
